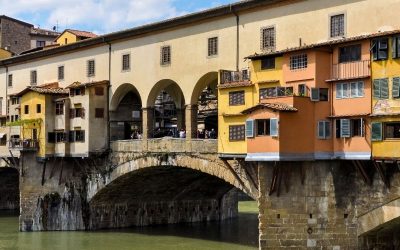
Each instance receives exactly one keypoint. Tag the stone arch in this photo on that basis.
(171, 87)
(202, 83)
(120, 93)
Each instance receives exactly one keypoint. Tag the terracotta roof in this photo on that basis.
(88, 84)
(274, 106)
(81, 33)
(326, 43)
(235, 84)
(349, 115)
(44, 90)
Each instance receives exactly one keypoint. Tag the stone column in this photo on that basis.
(191, 121)
(148, 122)
(180, 116)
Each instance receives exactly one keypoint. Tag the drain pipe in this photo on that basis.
(237, 35)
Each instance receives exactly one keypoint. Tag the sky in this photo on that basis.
(100, 16)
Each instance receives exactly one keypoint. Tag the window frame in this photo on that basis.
(165, 56)
(327, 130)
(340, 33)
(61, 73)
(99, 113)
(340, 90)
(38, 108)
(270, 65)
(298, 62)
(10, 80)
(377, 88)
(59, 108)
(91, 69)
(240, 130)
(268, 38)
(125, 66)
(395, 47)
(377, 49)
(237, 100)
(212, 46)
(385, 130)
(33, 77)
(348, 58)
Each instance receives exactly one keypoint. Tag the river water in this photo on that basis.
(235, 234)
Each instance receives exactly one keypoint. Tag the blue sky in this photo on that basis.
(100, 16)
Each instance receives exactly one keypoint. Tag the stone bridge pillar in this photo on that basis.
(191, 121)
(148, 122)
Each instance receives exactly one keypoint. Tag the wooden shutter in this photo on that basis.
(362, 130)
(396, 87)
(394, 47)
(314, 94)
(384, 89)
(374, 49)
(321, 130)
(250, 128)
(376, 128)
(273, 126)
(345, 128)
(377, 88)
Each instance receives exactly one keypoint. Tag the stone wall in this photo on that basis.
(9, 189)
(319, 205)
(15, 35)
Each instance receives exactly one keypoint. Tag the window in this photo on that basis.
(392, 130)
(38, 108)
(324, 129)
(77, 112)
(33, 77)
(40, 44)
(381, 88)
(51, 137)
(77, 136)
(396, 87)
(346, 128)
(350, 53)
(275, 92)
(165, 55)
(236, 98)
(99, 113)
(298, 62)
(126, 62)
(396, 47)
(60, 136)
(60, 72)
(213, 46)
(376, 131)
(26, 109)
(10, 80)
(268, 63)
(77, 91)
(380, 49)
(268, 38)
(349, 90)
(99, 91)
(319, 94)
(237, 133)
(14, 100)
(337, 25)
(59, 108)
(267, 127)
(250, 128)
(90, 68)
(66, 41)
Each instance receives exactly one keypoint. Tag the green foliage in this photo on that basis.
(24, 122)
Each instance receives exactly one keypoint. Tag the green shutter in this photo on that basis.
(250, 128)
(394, 47)
(274, 127)
(345, 128)
(327, 129)
(376, 128)
(396, 87)
(377, 88)
(384, 89)
(315, 94)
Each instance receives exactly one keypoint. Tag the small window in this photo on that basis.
(298, 62)
(59, 108)
(213, 46)
(268, 63)
(268, 38)
(99, 91)
(349, 90)
(99, 113)
(396, 87)
(275, 92)
(79, 135)
(60, 136)
(337, 25)
(350, 53)
(10, 80)
(126, 62)
(396, 47)
(380, 49)
(302, 90)
(40, 44)
(267, 127)
(91, 68)
(324, 130)
(60, 73)
(346, 128)
(236, 98)
(319, 94)
(51, 137)
(38, 108)
(237, 133)
(77, 91)
(26, 109)
(33, 77)
(76, 113)
(381, 88)
(392, 130)
(376, 131)
(66, 41)
(165, 55)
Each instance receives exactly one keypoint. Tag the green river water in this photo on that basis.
(235, 234)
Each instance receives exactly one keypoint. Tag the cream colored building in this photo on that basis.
(183, 55)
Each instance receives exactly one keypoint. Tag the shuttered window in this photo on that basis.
(396, 47)
(213, 46)
(90, 68)
(250, 128)
(324, 129)
(33, 77)
(381, 88)
(345, 128)
(376, 131)
(268, 38)
(60, 72)
(396, 87)
(274, 127)
(267, 127)
(126, 62)
(165, 55)
(10, 80)
(237, 133)
(380, 49)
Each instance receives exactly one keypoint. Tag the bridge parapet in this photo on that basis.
(166, 145)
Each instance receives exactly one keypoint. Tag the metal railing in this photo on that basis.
(351, 70)
(24, 144)
(228, 76)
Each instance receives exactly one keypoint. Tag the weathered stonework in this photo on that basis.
(9, 192)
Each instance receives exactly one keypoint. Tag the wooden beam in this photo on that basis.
(235, 174)
(278, 190)
(248, 176)
(274, 179)
(360, 168)
(382, 173)
(43, 172)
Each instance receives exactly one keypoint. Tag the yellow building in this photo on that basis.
(386, 97)
(37, 118)
(237, 92)
(5, 54)
(72, 36)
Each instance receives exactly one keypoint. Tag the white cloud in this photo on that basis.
(94, 15)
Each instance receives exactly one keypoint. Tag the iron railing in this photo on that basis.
(351, 70)
(24, 144)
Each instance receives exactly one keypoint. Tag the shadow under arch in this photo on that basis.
(171, 87)
(210, 78)
(120, 93)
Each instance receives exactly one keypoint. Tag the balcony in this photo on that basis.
(234, 78)
(24, 144)
(351, 70)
